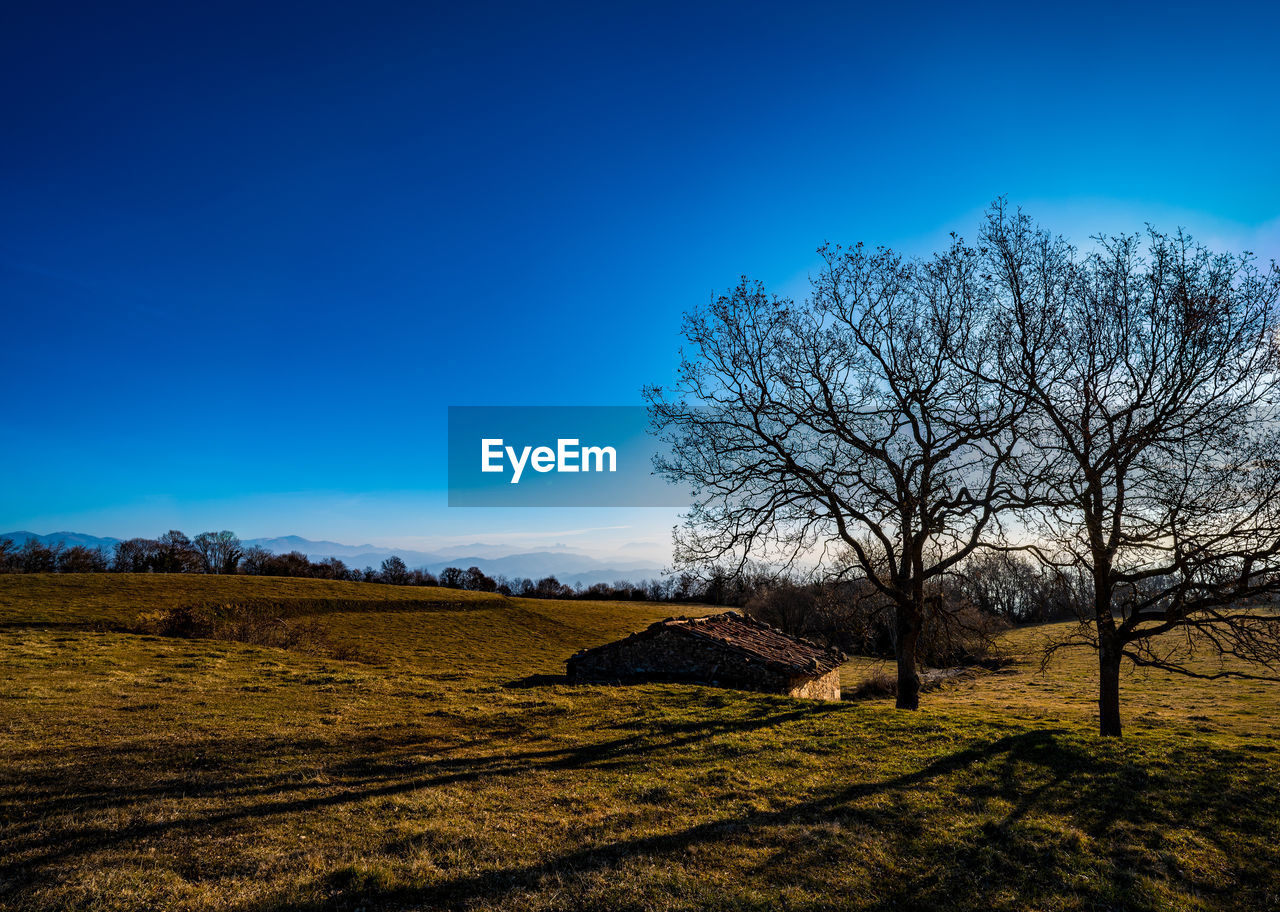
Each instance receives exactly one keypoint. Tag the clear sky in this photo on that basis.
(249, 253)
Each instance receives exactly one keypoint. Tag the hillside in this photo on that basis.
(450, 769)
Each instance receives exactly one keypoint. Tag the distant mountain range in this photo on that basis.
(496, 560)
(66, 539)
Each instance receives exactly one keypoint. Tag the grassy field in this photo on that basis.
(452, 769)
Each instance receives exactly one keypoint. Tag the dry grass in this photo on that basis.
(454, 770)
(114, 598)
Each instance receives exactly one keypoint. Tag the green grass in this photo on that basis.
(451, 770)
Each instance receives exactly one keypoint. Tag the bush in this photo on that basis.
(185, 621)
(244, 624)
(879, 683)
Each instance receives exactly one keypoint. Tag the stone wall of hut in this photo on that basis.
(671, 656)
(826, 687)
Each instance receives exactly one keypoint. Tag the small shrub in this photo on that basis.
(187, 621)
(879, 683)
(244, 624)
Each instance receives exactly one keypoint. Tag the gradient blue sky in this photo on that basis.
(249, 253)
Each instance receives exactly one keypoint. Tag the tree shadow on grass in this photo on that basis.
(529, 682)
(340, 890)
(1008, 785)
(103, 780)
(1030, 775)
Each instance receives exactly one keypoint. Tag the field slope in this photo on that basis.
(452, 769)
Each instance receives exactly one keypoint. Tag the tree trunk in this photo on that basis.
(1109, 645)
(1109, 689)
(908, 678)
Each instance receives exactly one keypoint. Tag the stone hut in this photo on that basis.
(725, 650)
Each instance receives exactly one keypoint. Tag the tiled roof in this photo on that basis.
(754, 639)
(759, 640)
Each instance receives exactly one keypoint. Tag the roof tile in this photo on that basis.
(760, 641)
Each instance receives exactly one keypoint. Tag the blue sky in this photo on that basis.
(250, 253)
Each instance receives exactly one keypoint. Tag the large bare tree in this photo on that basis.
(855, 422)
(219, 552)
(1151, 363)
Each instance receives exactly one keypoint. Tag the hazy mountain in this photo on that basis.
(566, 565)
(352, 555)
(495, 560)
(559, 564)
(286, 543)
(478, 549)
(414, 560)
(66, 539)
(609, 576)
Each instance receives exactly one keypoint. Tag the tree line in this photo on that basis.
(224, 553)
(1002, 586)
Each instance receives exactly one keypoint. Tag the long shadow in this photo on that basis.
(463, 891)
(1030, 770)
(371, 776)
(530, 682)
(60, 789)
(1040, 771)
(83, 626)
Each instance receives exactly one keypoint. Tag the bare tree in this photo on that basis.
(550, 587)
(790, 606)
(256, 561)
(477, 581)
(332, 568)
(1152, 366)
(394, 571)
(855, 420)
(1012, 586)
(36, 557)
(135, 555)
(80, 559)
(219, 552)
(174, 553)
